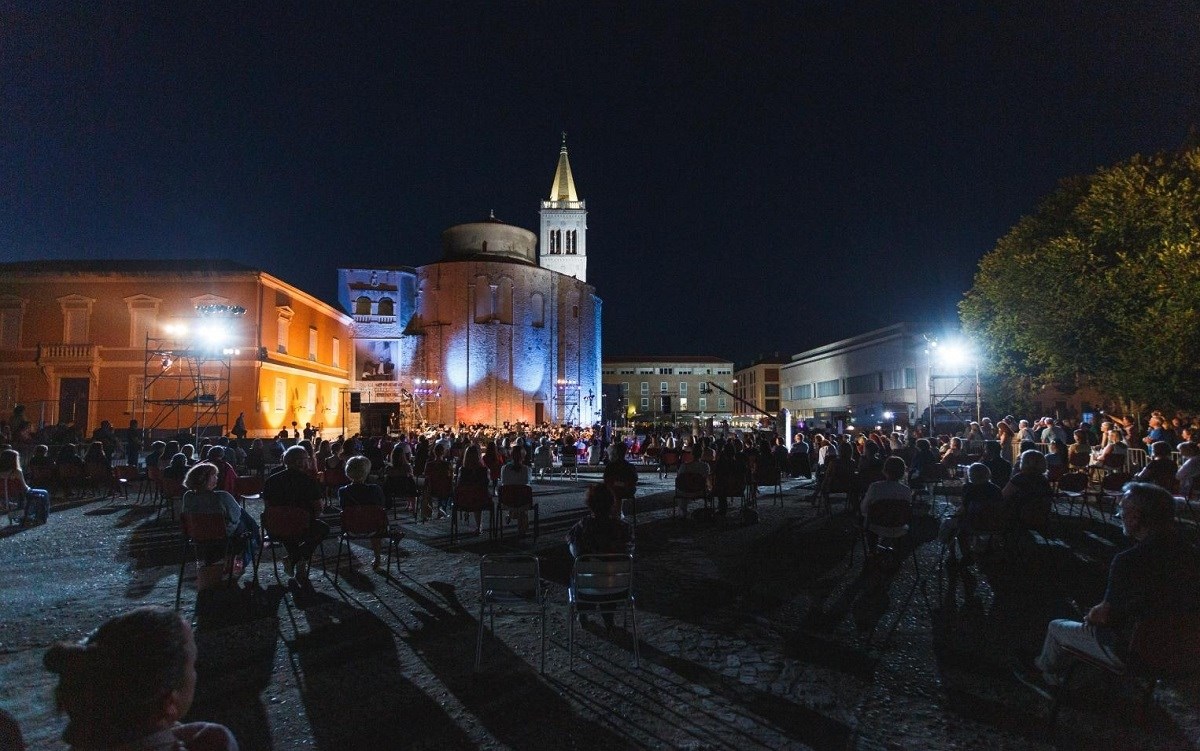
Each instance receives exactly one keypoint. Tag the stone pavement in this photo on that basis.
(766, 636)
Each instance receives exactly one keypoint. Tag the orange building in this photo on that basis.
(176, 345)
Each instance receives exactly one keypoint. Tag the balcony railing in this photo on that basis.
(374, 319)
(64, 352)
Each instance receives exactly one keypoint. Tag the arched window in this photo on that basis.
(387, 307)
(362, 306)
(537, 310)
(483, 300)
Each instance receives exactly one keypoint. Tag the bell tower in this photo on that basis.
(563, 246)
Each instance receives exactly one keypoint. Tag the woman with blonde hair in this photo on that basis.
(202, 497)
(17, 493)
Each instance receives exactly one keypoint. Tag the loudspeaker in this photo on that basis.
(356, 401)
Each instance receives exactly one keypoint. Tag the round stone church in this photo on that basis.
(504, 328)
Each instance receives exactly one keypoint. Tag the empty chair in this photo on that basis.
(248, 489)
(510, 585)
(604, 582)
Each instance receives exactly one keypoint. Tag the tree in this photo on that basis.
(1100, 285)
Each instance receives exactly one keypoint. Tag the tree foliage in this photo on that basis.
(1100, 285)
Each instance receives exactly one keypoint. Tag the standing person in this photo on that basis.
(35, 500)
(239, 427)
(294, 486)
(133, 443)
(129, 683)
(517, 472)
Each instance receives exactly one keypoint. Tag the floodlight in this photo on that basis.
(954, 355)
(211, 334)
(888, 415)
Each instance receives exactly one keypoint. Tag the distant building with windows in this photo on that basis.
(175, 345)
(758, 384)
(669, 387)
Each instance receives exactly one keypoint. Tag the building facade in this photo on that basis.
(758, 385)
(497, 331)
(178, 345)
(667, 388)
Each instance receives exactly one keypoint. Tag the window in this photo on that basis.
(771, 389)
(645, 371)
(283, 329)
(645, 387)
(771, 374)
(683, 388)
(910, 378)
(803, 391)
(862, 384)
(537, 310)
(683, 404)
(721, 403)
(683, 371)
(10, 326)
(555, 245)
(624, 387)
(8, 394)
(337, 352)
(75, 330)
(312, 343)
(387, 307)
(703, 403)
(645, 403)
(280, 394)
(662, 387)
(829, 388)
(335, 401)
(137, 395)
(310, 398)
(504, 301)
(772, 405)
(362, 306)
(485, 298)
(626, 372)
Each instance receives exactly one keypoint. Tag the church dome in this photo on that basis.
(491, 237)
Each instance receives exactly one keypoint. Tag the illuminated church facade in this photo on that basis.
(503, 328)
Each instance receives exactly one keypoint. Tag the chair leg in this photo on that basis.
(479, 638)
(536, 523)
(637, 653)
(542, 668)
(179, 584)
(1060, 693)
(571, 636)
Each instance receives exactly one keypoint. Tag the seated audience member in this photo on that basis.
(600, 532)
(359, 493)
(620, 477)
(35, 501)
(517, 472)
(889, 488)
(202, 497)
(1158, 576)
(1190, 469)
(1028, 495)
(999, 467)
(294, 486)
(980, 497)
(473, 473)
(953, 455)
(1056, 457)
(1114, 447)
(728, 476)
(226, 473)
(1161, 468)
(439, 484)
(694, 467)
(1079, 453)
(129, 683)
(177, 468)
(41, 458)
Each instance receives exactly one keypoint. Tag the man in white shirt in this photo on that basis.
(1189, 471)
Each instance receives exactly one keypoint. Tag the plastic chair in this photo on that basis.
(402, 489)
(279, 525)
(364, 523)
(689, 486)
(171, 491)
(510, 585)
(123, 474)
(70, 475)
(770, 477)
(1071, 487)
(1109, 489)
(471, 498)
(1161, 647)
(516, 496)
(570, 464)
(14, 501)
(202, 532)
(888, 519)
(669, 462)
(248, 488)
(601, 581)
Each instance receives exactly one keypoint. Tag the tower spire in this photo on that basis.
(563, 188)
(564, 223)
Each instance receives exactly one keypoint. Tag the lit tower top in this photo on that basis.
(564, 223)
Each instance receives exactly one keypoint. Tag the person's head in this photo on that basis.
(134, 675)
(296, 457)
(956, 444)
(1032, 462)
(991, 449)
(203, 476)
(923, 445)
(518, 454)
(893, 468)
(10, 460)
(439, 450)
(358, 468)
(1058, 447)
(1028, 445)
(599, 499)
(1114, 436)
(1188, 449)
(1080, 436)
(1160, 450)
(978, 474)
(179, 460)
(1146, 509)
(216, 454)
(472, 457)
(41, 450)
(618, 451)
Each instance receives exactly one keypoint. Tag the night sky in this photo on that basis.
(759, 177)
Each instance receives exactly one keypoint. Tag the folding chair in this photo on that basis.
(1071, 487)
(601, 581)
(280, 525)
(623, 492)
(70, 475)
(123, 474)
(203, 533)
(668, 462)
(401, 489)
(1109, 489)
(770, 477)
(172, 490)
(689, 486)
(248, 488)
(516, 496)
(510, 585)
(1161, 647)
(570, 464)
(888, 519)
(100, 477)
(468, 499)
(836, 481)
(152, 488)
(364, 523)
